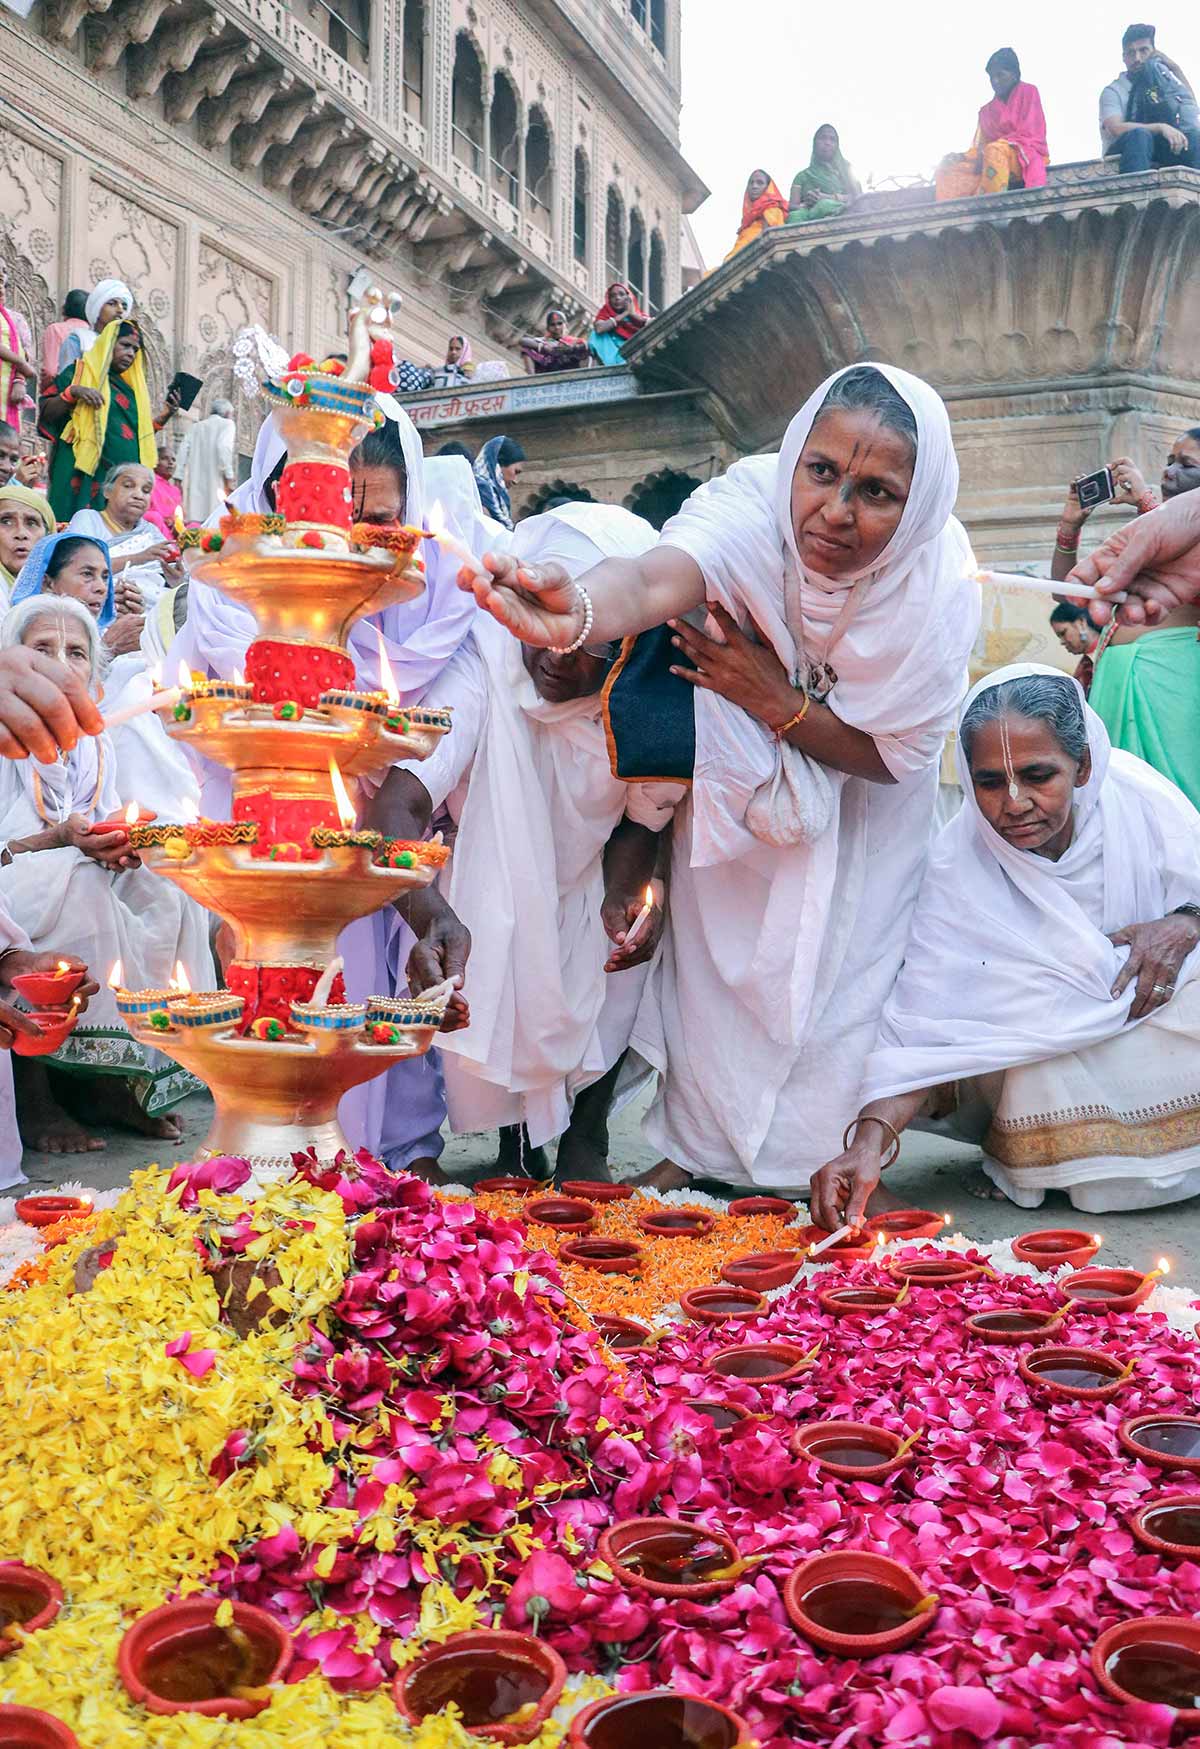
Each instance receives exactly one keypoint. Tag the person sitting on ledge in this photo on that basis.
(763, 208)
(828, 186)
(1050, 969)
(555, 349)
(1009, 149)
(617, 320)
(1148, 115)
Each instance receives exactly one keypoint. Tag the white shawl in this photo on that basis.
(1008, 958)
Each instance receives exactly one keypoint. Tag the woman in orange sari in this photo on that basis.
(763, 207)
(1009, 149)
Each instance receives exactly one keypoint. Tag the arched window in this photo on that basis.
(659, 497)
(506, 138)
(658, 25)
(583, 188)
(413, 70)
(655, 294)
(614, 237)
(637, 255)
(466, 105)
(539, 169)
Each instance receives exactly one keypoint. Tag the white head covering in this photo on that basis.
(1008, 959)
(251, 496)
(101, 294)
(15, 621)
(450, 481)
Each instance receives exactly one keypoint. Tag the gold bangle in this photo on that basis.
(894, 1153)
(799, 717)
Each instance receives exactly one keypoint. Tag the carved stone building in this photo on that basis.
(237, 162)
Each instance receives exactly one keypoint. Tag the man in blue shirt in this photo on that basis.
(1147, 145)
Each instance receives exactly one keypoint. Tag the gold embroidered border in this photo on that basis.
(1146, 1135)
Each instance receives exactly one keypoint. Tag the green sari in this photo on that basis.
(830, 188)
(71, 490)
(1147, 693)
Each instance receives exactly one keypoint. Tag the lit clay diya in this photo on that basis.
(52, 1029)
(1008, 1326)
(716, 1305)
(1156, 1659)
(24, 1727)
(1170, 1441)
(761, 1271)
(945, 1269)
(858, 1302)
(508, 1187)
(596, 1190)
(677, 1224)
(858, 1604)
(1086, 1373)
(622, 1333)
(768, 1363)
(723, 1416)
(1170, 1525)
(855, 1248)
(658, 1719)
(851, 1450)
(175, 1659)
(1056, 1248)
(1107, 1290)
(504, 1685)
(43, 1211)
(563, 1213)
(608, 1256)
(29, 1600)
(48, 989)
(907, 1224)
(744, 1207)
(669, 1558)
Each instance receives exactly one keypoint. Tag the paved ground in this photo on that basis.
(932, 1173)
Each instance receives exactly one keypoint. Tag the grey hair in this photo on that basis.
(114, 474)
(1043, 698)
(223, 408)
(866, 390)
(18, 619)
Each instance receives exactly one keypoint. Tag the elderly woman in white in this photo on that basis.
(841, 613)
(1051, 968)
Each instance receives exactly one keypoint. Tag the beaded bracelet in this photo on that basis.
(1147, 502)
(582, 598)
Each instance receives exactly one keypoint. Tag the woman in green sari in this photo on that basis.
(828, 186)
(100, 416)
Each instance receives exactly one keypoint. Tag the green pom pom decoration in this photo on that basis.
(160, 1020)
(182, 712)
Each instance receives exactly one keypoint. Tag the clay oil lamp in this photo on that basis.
(29, 1600)
(858, 1604)
(761, 1363)
(748, 1206)
(715, 1305)
(761, 1271)
(326, 1017)
(673, 1223)
(1057, 1248)
(508, 1186)
(607, 1256)
(860, 1302)
(53, 1027)
(24, 1727)
(1110, 1290)
(935, 1269)
(176, 1659)
(216, 1010)
(565, 1214)
(622, 1333)
(125, 821)
(724, 1416)
(504, 1685)
(908, 1224)
(1009, 1326)
(854, 1248)
(661, 1718)
(49, 989)
(1169, 1525)
(596, 1190)
(1156, 1659)
(853, 1451)
(1170, 1441)
(669, 1558)
(43, 1211)
(1084, 1373)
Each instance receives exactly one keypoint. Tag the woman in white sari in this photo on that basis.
(842, 612)
(1051, 963)
(139, 551)
(78, 891)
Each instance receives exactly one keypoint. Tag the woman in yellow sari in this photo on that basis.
(763, 207)
(102, 412)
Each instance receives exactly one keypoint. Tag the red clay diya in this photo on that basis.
(608, 1256)
(1086, 1373)
(678, 1224)
(944, 1269)
(1056, 1247)
(907, 1224)
(853, 1249)
(43, 1211)
(1107, 1290)
(505, 1685)
(722, 1415)
(1171, 1441)
(175, 1659)
(745, 1206)
(774, 1363)
(1169, 1525)
(596, 1190)
(29, 1600)
(48, 989)
(858, 1604)
(1156, 1659)
(852, 1450)
(763, 1270)
(24, 1727)
(621, 1333)
(1009, 1325)
(715, 1305)
(562, 1213)
(858, 1302)
(509, 1186)
(52, 1029)
(669, 1558)
(660, 1718)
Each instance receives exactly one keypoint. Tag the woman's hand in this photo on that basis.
(12, 1024)
(537, 603)
(125, 634)
(87, 397)
(110, 848)
(19, 961)
(1073, 514)
(161, 550)
(618, 913)
(44, 706)
(748, 674)
(1155, 558)
(840, 1190)
(127, 596)
(1156, 952)
(1129, 483)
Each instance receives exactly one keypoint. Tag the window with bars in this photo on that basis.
(580, 227)
(413, 65)
(466, 105)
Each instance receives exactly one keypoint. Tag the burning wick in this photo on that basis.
(180, 981)
(639, 921)
(320, 995)
(116, 977)
(158, 701)
(828, 1240)
(450, 543)
(1164, 1268)
(387, 679)
(341, 796)
(1046, 586)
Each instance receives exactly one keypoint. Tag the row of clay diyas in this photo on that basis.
(179, 838)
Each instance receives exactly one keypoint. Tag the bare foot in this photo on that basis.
(116, 1101)
(427, 1168)
(665, 1176)
(43, 1123)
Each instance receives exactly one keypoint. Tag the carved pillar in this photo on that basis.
(487, 136)
(441, 26)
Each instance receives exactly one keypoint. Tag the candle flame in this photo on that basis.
(131, 814)
(239, 677)
(341, 797)
(189, 813)
(155, 673)
(386, 678)
(1096, 1239)
(180, 980)
(185, 677)
(1164, 1266)
(116, 976)
(946, 1220)
(64, 966)
(649, 895)
(435, 519)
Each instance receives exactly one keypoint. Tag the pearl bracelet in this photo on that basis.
(584, 600)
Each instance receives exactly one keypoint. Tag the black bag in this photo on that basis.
(650, 713)
(1156, 95)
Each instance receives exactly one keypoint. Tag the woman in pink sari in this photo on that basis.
(1009, 149)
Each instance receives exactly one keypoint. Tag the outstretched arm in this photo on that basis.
(840, 1191)
(1155, 558)
(540, 605)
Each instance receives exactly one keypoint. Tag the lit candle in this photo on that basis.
(639, 921)
(1046, 586)
(320, 995)
(161, 700)
(450, 543)
(828, 1240)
